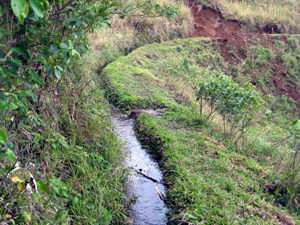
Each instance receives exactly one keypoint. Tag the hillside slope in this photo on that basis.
(210, 180)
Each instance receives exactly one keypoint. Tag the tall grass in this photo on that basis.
(75, 152)
(127, 34)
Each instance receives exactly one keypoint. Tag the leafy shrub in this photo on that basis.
(46, 122)
(238, 105)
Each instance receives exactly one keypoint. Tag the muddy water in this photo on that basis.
(147, 208)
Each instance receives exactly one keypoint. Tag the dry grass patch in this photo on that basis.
(129, 33)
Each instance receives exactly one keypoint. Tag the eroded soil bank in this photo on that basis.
(208, 182)
(231, 36)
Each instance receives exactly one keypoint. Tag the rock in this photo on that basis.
(134, 114)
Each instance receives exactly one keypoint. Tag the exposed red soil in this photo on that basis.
(210, 23)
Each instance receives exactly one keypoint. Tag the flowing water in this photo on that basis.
(148, 208)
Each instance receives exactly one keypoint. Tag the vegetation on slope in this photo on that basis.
(211, 179)
(123, 36)
(270, 63)
(262, 15)
(55, 127)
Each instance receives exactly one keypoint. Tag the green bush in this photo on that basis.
(64, 170)
(238, 105)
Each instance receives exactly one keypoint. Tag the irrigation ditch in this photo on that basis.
(146, 191)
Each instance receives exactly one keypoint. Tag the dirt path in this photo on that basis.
(210, 23)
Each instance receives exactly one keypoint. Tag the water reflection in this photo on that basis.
(148, 208)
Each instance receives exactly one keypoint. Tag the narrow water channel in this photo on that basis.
(148, 208)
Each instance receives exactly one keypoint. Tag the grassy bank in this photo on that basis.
(211, 180)
(80, 166)
(72, 150)
(125, 35)
(68, 145)
(271, 16)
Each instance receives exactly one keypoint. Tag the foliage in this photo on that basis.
(237, 105)
(124, 36)
(231, 187)
(288, 167)
(48, 126)
(209, 183)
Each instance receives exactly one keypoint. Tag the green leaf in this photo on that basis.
(294, 122)
(58, 214)
(123, 13)
(11, 73)
(11, 155)
(53, 49)
(43, 187)
(67, 55)
(49, 70)
(60, 68)
(3, 105)
(20, 9)
(12, 106)
(37, 78)
(113, 4)
(1, 11)
(21, 125)
(74, 52)
(45, 54)
(46, 4)
(7, 168)
(34, 98)
(57, 73)
(7, 117)
(31, 30)
(3, 136)
(63, 45)
(36, 196)
(27, 216)
(37, 7)
(63, 143)
(3, 154)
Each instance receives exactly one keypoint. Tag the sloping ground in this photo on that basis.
(270, 61)
(262, 15)
(209, 182)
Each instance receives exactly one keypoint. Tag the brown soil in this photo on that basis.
(134, 114)
(210, 23)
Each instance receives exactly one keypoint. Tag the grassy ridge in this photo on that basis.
(210, 181)
(75, 152)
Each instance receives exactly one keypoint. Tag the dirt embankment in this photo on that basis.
(210, 23)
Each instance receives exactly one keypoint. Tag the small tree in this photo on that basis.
(237, 105)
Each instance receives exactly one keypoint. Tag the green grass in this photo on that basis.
(270, 65)
(210, 180)
(76, 153)
(77, 156)
(209, 183)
